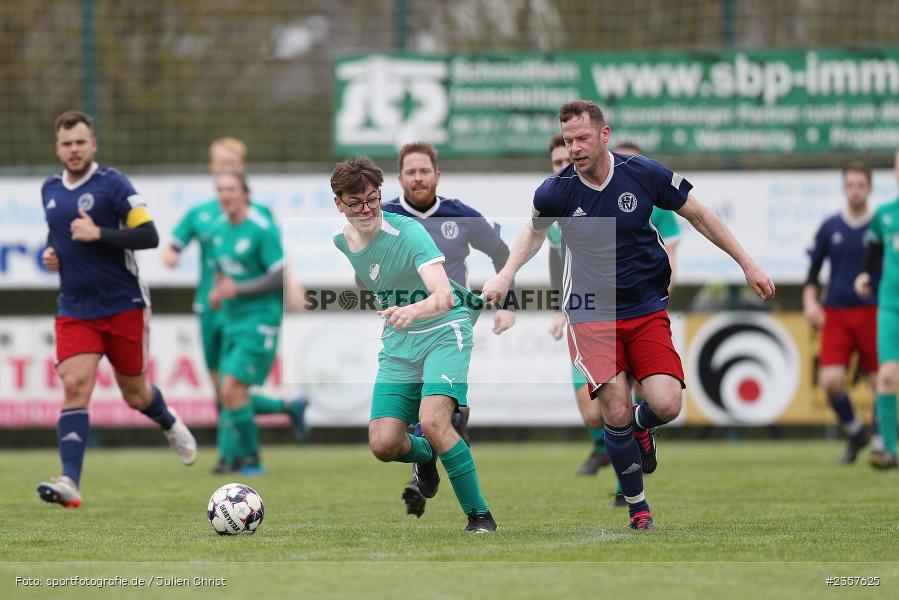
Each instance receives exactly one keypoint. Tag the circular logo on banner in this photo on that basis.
(86, 201)
(627, 202)
(743, 369)
(347, 300)
(450, 230)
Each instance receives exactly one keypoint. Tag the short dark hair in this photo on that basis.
(557, 142)
(413, 147)
(859, 166)
(576, 108)
(70, 118)
(352, 176)
(627, 144)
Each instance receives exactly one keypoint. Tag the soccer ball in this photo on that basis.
(235, 508)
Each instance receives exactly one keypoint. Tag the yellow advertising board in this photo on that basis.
(758, 368)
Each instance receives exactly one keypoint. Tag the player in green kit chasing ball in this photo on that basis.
(427, 338)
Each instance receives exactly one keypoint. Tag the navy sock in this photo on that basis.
(158, 411)
(843, 407)
(644, 418)
(626, 458)
(72, 430)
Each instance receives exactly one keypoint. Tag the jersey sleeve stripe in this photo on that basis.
(433, 261)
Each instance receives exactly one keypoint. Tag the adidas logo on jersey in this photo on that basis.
(51, 204)
(579, 212)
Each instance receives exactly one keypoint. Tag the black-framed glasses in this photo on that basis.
(373, 202)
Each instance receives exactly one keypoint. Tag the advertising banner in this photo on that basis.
(747, 369)
(803, 101)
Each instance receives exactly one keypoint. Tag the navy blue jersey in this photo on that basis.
(842, 242)
(95, 279)
(612, 269)
(456, 228)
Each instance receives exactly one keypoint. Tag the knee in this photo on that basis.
(832, 385)
(886, 379)
(385, 449)
(434, 428)
(618, 414)
(667, 407)
(77, 386)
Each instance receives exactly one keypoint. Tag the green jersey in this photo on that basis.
(389, 266)
(662, 220)
(245, 251)
(198, 224)
(884, 230)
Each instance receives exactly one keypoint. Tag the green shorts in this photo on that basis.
(211, 335)
(577, 379)
(887, 334)
(248, 351)
(414, 364)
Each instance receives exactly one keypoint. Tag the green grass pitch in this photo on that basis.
(735, 520)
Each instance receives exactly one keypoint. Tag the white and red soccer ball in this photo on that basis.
(235, 508)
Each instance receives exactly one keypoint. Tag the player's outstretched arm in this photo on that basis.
(526, 246)
(440, 299)
(713, 228)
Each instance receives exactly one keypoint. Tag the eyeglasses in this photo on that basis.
(373, 202)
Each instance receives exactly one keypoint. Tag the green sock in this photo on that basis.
(886, 417)
(421, 451)
(226, 439)
(597, 434)
(245, 427)
(266, 405)
(618, 489)
(460, 469)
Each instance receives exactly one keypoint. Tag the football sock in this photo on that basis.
(420, 452)
(158, 411)
(644, 418)
(843, 407)
(266, 405)
(625, 454)
(618, 487)
(598, 436)
(460, 469)
(245, 428)
(876, 440)
(72, 430)
(226, 439)
(886, 416)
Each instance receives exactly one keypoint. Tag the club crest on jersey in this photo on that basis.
(449, 230)
(86, 201)
(836, 238)
(374, 271)
(241, 246)
(627, 202)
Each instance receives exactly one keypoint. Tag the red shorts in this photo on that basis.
(848, 330)
(122, 337)
(640, 347)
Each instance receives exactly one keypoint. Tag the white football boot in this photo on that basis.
(182, 440)
(60, 490)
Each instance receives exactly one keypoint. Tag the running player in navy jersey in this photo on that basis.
(456, 228)
(96, 221)
(847, 322)
(616, 284)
